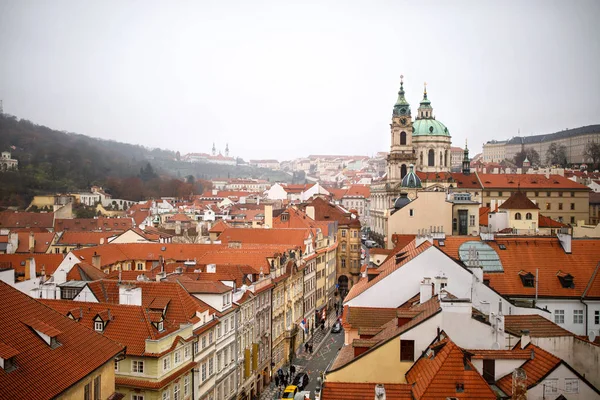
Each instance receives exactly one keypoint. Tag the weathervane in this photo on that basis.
(425, 84)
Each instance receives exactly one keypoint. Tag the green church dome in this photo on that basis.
(429, 127)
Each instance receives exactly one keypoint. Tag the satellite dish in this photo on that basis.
(592, 336)
(496, 346)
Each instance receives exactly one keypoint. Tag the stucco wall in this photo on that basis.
(107, 383)
(561, 373)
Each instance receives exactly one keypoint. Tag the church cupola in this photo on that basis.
(401, 107)
(466, 164)
(425, 109)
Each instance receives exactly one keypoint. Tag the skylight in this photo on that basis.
(482, 255)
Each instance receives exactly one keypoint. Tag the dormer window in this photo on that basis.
(7, 357)
(98, 326)
(160, 326)
(46, 332)
(566, 280)
(527, 279)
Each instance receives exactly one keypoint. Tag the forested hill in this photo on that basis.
(51, 161)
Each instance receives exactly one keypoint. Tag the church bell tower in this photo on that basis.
(402, 153)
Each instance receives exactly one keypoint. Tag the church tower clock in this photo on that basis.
(402, 153)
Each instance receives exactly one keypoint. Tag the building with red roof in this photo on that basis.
(45, 355)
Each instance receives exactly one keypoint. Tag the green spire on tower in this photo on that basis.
(402, 107)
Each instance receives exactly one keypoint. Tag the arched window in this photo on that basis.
(446, 158)
(431, 158)
(421, 159)
(402, 137)
(403, 171)
(518, 216)
(441, 159)
(528, 216)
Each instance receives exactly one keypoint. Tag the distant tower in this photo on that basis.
(466, 164)
(402, 153)
(227, 150)
(526, 163)
(1, 109)
(214, 150)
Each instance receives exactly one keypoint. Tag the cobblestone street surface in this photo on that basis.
(325, 347)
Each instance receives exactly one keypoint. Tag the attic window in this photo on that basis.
(98, 326)
(7, 357)
(160, 326)
(527, 279)
(46, 332)
(441, 243)
(460, 387)
(566, 281)
(502, 247)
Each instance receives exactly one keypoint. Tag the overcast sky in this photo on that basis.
(283, 80)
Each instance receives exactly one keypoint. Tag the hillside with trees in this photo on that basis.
(52, 161)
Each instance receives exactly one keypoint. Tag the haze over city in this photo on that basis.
(281, 80)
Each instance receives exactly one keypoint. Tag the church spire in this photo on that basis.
(214, 150)
(466, 164)
(425, 109)
(402, 107)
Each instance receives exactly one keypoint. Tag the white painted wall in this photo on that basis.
(568, 305)
(86, 295)
(561, 373)
(503, 367)
(276, 192)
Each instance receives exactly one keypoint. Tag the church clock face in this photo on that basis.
(403, 111)
(403, 121)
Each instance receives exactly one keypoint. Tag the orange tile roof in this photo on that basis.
(386, 268)
(42, 241)
(93, 224)
(219, 227)
(13, 219)
(18, 262)
(528, 181)
(537, 326)
(466, 181)
(83, 238)
(358, 191)
(278, 236)
(547, 222)
(536, 368)
(526, 254)
(518, 201)
(436, 376)
(361, 391)
(326, 211)
(84, 272)
(180, 217)
(484, 213)
(81, 350)
(213, 287)
(487, 354)
(367, 317)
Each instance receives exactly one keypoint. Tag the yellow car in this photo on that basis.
(289, 392)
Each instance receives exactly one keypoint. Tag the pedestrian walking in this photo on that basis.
(310, 348)
(277, 380)
(292, 370)
(306, 347)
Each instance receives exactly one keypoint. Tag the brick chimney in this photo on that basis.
(29, 268)
(268, 216)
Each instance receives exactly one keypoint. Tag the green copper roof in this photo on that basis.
(429, 127)
(411, 180)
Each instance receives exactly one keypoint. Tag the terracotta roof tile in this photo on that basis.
(83, 238)
(367, 317)
(47, 262)
(536, 368)
(518, 201)
(528, 181)
(486, 354)
(436, 375)
(12, 219)
(42, 241)
(81, 350)
(93, 224)
(537, 326)
(361, 391)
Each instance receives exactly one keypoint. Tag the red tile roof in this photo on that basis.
(329, 212)
(358, 191)
(93, 224)
(13, 219)
(367, 317)
(537, 326)
(529, 181)
(526, 254)
(275, 236)
(362, 391)
(84, 272)
(547, 222)
(518, 201)
(486, 354)
(536, 368)
(466, 181)
(484, 213)
(18, 262)
(42, 241)
(436, 376)
(82, 238)
(211, 287)
(81, 350)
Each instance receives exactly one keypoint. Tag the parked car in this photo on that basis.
(370, 243)
(337, 327)
(301, 380)
(289, 392)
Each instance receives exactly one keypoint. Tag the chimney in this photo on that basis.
(426, 290)
(268, 216)
(440, 283)
(30, 268)
(525, 338)
(178, 227)
(379, 392)
(96, 261)
(310, 212)
(31, 242)
(160, 275)
(13, 243)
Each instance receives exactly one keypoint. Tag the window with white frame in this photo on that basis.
(186, 352)
(166, 395)
(167, 363)
(210, 337)
(176, 392)
(116, 366)
(137, 367)
(137, 397)
(550, 386)
(218, 331)
(210, 366)
(597, 317)
(186, 385)
(571, 385)
(98, 326)
(203, 372)
(225, 326)
(471, 220)
(204, 341)
(578, 316)
(559, 316)
(196, 347)
(177, 357)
